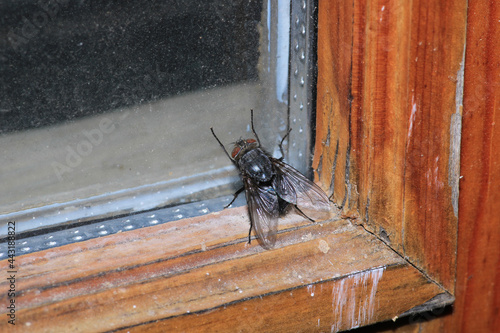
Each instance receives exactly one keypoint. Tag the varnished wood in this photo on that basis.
(311, 308)
(478, 270)
(389, 95)
(434, 92)
(333, 111)
(199, 274)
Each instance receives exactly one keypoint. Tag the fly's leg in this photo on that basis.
(258, 140)
(303, 214)
(281, 145)
(235, 196)
(250, 232)
(253, 129)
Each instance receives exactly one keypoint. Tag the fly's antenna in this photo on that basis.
(220, 143)
(253, 129)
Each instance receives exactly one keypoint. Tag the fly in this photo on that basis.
(272, 187)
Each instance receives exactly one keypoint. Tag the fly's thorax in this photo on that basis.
(256, 164)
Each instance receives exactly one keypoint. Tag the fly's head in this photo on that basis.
(242, 146)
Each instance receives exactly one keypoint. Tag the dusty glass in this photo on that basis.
(107, 106)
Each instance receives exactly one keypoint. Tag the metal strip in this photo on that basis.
(52, 239)
(301, 84)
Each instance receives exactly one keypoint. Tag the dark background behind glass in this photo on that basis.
(69, 59)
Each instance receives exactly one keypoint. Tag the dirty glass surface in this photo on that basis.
(106, 106)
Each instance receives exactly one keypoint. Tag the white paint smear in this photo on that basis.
(351, 298)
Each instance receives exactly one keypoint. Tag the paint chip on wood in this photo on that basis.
(323, 246)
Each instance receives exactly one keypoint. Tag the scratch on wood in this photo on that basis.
(334, 166)
(367, 210)
(347, 174)
(319, 168)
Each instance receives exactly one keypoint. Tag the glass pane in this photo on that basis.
(107, 106)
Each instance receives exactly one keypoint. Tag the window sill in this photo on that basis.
(199, 274)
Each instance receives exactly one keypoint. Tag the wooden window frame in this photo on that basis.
(389, 77)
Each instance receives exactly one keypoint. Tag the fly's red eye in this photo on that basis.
(235, 152)
(251, 141)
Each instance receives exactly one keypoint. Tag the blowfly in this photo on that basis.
(272, 187)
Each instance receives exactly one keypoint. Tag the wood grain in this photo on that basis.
(436, 67)
(333, 116)
(478, 271)
(389, 98)
(327, 306)
(200, 275)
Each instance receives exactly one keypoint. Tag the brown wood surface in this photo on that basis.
(477, 305)
(199, 274)
(440, 26)
(477, 308)
(388, 121)
(333, 111)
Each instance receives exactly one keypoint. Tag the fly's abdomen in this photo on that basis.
(257, 165)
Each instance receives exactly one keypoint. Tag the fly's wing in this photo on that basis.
(264, 211)
(296, 189)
